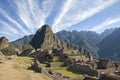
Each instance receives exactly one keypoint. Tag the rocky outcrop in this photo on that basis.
(1, 57)
(45, 39)
(4, 42)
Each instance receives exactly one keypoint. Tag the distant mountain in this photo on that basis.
(86, 39)
(107, 32)
(22, 41)
(4, 42)
(45, 39)
(109, 47)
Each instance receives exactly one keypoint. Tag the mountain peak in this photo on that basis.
(45, 39)
(44, 27)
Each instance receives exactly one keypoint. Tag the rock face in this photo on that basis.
(1, 57)
(4, 42)
(45, 39)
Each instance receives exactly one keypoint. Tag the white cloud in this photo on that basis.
(5, 14)
(80, 11)
(64, 8)
(24, 13)
(8, 29)
(6, 33)
(106, 24)
(34, 13)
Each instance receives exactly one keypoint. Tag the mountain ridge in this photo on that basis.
(86, 38)
(45, 39)
(109, 47)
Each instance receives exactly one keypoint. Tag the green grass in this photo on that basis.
(43, 65)
(56, 58)
(22, 62)
(56, 62)
(69, 73)
(58, 68)
(24, 59)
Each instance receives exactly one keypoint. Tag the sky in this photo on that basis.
(24, 17)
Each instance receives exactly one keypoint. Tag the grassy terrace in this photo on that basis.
(22, 62)
(24, 59)
(69, 73)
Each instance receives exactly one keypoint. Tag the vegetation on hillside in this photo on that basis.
(9, 51)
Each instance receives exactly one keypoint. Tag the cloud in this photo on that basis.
(80, 11)
(6, 33)
(34, 13)
(61, 14)
(64, 8)
(8, 29)
(24, 13)
(5, 14)
(106, 24)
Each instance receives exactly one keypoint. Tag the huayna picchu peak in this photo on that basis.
(45, 39)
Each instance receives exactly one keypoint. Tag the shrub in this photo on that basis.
(8, 51)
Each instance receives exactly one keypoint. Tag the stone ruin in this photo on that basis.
(27, 52)
(51, 73)
(83, 69)
(105, 64)
(83, 65)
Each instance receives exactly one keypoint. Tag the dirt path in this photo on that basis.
(8, 72)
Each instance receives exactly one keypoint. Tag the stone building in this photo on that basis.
(105, 64)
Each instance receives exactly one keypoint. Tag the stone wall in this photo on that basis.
(109, 77)
(50, 73)
(83, 69)
(90, 78)
(105, 64)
